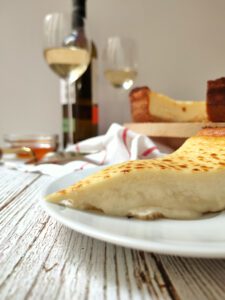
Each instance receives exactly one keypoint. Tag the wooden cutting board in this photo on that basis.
(170, 130)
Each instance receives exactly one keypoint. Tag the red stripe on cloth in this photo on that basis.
(149, 151)
(82, 167)
(124, 136)
(77, 147)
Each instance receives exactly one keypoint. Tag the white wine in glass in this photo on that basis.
(67, 52)
(121, 78)
(68, 63)
(120, 62)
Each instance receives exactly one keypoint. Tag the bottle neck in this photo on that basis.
(81, 4)
(78, 13)
(77, 20)
(79, 8)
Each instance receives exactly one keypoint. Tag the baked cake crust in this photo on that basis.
(139, 99)
(140, 102)
(216, 100)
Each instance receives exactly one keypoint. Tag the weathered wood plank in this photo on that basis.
(148, 274)
(17, 209)
(21, 230)
(12, 183)
(195, 278)
(76, 271)
(40, 259)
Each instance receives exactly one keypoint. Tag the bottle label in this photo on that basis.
(95, 114)
(66, 125)
(64, 93)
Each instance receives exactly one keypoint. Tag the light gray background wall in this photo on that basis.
(181, 46)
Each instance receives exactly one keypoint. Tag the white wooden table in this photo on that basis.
(41, 259)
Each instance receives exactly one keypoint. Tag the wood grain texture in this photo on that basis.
(12, 183)
(196, 278)
(41, 259)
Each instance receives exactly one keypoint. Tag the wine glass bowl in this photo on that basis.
(67, 63)
(120, 61)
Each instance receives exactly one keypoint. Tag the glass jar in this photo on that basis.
(39, 144)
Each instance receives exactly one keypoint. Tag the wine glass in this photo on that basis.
(120, 70)
(120, 61)
(67, 50)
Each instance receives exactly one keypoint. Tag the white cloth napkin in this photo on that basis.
(119, 144)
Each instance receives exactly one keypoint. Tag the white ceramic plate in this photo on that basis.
(204, 237)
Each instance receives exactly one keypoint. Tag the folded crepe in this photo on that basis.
(183, 185)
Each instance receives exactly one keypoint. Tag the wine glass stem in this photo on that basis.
(71, 120)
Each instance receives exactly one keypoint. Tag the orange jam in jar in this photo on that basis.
(38, 144)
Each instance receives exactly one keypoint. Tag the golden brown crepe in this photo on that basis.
(182, 185)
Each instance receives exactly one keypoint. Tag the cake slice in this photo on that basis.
(216, 100)
(148, 106)
(182, 185)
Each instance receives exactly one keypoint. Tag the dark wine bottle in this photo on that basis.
(85, 108)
